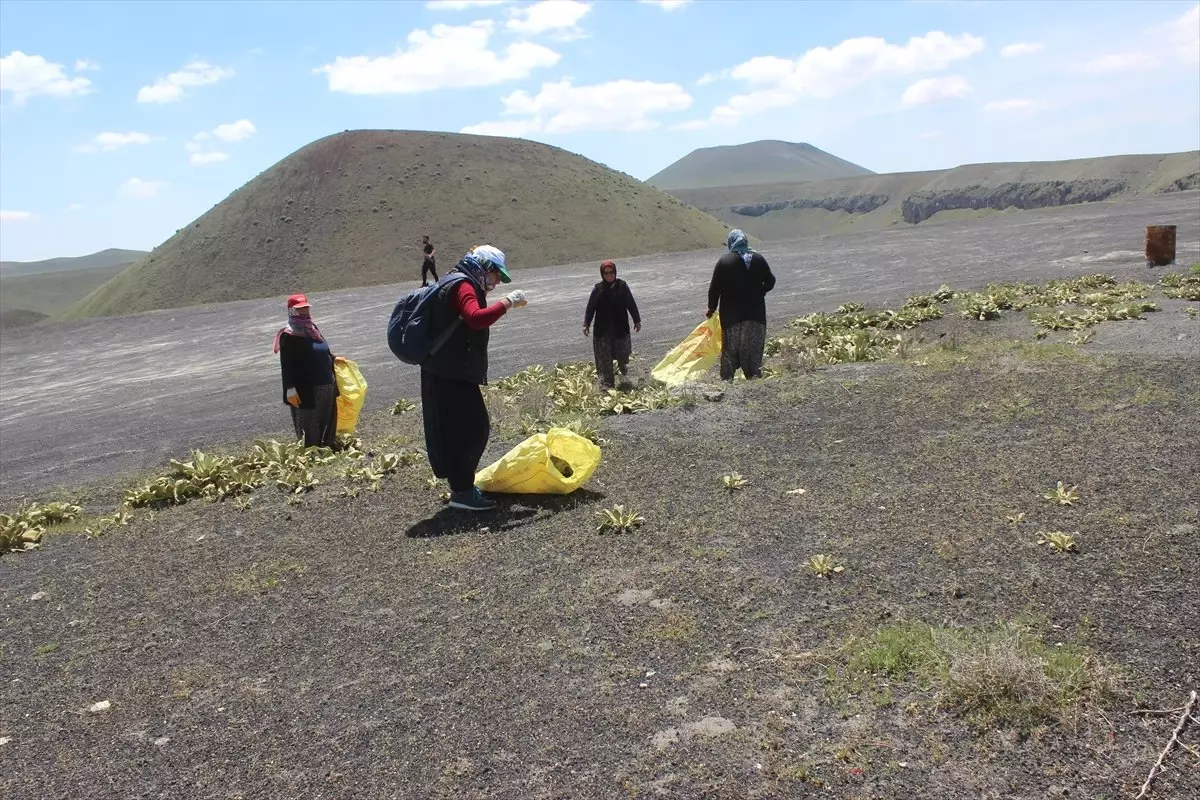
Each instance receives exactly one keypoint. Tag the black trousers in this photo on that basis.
(317, 426)
(427, 268)
(457, 428)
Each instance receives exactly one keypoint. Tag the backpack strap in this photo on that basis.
(445, 336)
(451, 279)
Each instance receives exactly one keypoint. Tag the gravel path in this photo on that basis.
(106, 396)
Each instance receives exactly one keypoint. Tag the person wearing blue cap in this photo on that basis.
(456, 419)
(740, 282)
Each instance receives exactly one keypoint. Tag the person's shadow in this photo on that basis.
(513, 511)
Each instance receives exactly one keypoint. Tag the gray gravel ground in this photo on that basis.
(109, 396)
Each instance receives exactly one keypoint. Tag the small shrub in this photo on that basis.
(825, 566)
(734, 481)
(402, 406)
(978, 306)
(1059, 542)
(24, 529)
(1062, 495)
(619, 520)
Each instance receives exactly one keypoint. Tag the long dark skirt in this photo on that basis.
(457, 428)
(742, 347)
(609, 348)
(317, 426)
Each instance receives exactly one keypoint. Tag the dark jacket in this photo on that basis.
(305, 364)
(611, 307)
(464, 356)
(739, 292)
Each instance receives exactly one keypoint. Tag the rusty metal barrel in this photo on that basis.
(1160, 245)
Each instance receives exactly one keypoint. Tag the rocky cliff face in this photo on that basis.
(851, 204)
(920, 206)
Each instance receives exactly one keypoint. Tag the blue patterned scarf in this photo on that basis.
(737, 242)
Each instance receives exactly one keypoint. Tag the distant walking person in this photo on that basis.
(740, 282)
(428, 263)
(309, 386)
(457, 426)
(611, 305)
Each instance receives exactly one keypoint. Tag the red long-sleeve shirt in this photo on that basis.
(476, 317)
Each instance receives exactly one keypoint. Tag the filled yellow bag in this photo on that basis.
(692, 357)
(557, 462)
(352, 393)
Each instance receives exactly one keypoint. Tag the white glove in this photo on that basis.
(516, 299)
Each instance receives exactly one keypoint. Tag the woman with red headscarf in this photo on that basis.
(610, 306)
(309, 385)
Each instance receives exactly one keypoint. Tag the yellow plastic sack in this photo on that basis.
(531, 468)
(352, 393)
(692, 357)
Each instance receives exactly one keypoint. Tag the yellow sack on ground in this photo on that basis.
(692, 357)
(557, 462)
(352, 393)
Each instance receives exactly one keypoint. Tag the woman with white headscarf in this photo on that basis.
(456, 419)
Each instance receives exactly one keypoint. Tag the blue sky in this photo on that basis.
(120, 122)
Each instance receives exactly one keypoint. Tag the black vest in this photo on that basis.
(464, 355)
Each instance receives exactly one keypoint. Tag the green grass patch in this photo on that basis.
(1000, 675)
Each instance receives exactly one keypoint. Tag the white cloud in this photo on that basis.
(75, 207)
(445, 57)
(108, 140)
(16, 216)
(136, 187)
(461, 5)
(200, 158)
(1017, 49)
(712, 77)
(235, 131)
(512, 128)
(823, 72)
(84, 65)
(29, 76)
(560, 17)
(1016, 105)
(930, 90)
(1179, 37)
(1118, 62)
(201, 144)
(621, 105)
(1183, 34)
(666, 5)
(169, 89)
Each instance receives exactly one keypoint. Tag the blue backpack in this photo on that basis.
(410, 331)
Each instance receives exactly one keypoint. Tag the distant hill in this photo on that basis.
(766, 162)
(105, 258)
(26, 299)
(350, 209)
(782, 211)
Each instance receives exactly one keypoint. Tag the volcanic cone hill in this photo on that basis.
(769, 161)
(350, 209)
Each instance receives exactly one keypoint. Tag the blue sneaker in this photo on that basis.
(472, 500)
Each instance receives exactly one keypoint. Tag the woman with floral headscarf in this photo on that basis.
(611, 305)
(456, 419)
(309, 386)
(740, 282)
